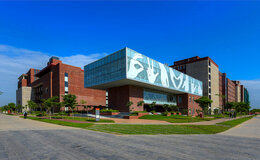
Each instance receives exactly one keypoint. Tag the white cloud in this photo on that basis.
(253, 87)
(16, 61)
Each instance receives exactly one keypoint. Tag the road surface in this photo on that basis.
(28, 139)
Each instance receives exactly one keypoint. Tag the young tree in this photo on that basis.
(19, 108)
(173, 108)
(129, 104)
(70, 100)
(47, 104)
(140, 103)
(166, 107)
(152, 106)
(12, 107)
(55, 103)
(204, 103)
(84, 106)
(32, 105)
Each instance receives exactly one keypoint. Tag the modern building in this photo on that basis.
(57, 79)
(127, 76)
(216, 85)
(206, 70)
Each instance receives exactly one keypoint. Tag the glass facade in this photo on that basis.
(158, 97)
(107, 69)
(144, 69)
(131, 65)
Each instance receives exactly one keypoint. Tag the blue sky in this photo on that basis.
(80, 32)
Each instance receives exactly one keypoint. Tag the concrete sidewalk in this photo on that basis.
(250, 128)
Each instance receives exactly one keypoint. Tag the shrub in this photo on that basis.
(108, 110)
(40, 114)
(165, 113)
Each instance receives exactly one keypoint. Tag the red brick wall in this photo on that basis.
(187, 104)
(118, 97)
(53, 84)
(93, 97)
(231, 91)
(136, 95)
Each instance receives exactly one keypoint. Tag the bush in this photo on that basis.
(40, 114)
(165, 113)
(108, 110)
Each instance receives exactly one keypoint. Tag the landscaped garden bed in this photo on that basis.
(109, 112)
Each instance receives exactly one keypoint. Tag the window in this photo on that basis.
(209, 77)
(209, 96)
(209, 70)
(190, 99)
(209, 84)
(209, 63)
(180, 99)
(209, 90)
(66, 84)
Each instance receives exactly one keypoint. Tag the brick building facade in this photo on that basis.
(216, 85)
(58, 79)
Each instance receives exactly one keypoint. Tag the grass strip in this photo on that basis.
(63, 123)
(235, 122)
(158, 129)
(176, 118)
(84, 119)
(167, 129)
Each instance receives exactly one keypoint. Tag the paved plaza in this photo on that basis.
(28, 139)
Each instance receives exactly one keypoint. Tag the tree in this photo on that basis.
(19, 108)
(166, 107)
(12, 107)
(70, 100)
(32, 105)
(140, 103)
(152, 106)
(230, 105)
(129, 104)
(242, 107)
(84, 106)
(56, 103)
(173, 108)
(47, 104)
(204, 103)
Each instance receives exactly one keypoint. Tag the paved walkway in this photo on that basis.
(29, 140)
(250, 128)
(146, 121)
(15, 123)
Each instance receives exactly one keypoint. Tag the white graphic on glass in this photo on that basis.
(186, 84)
(174, 77)
(133, 71)
(199, 89)
(164, 76)
(150, 72)
(193, 86)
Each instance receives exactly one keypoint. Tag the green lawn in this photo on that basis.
(150, 129)
(167, 129)
(235, 122)
(63, 123)
(176, 118)
(84, 119)
(157, 129)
